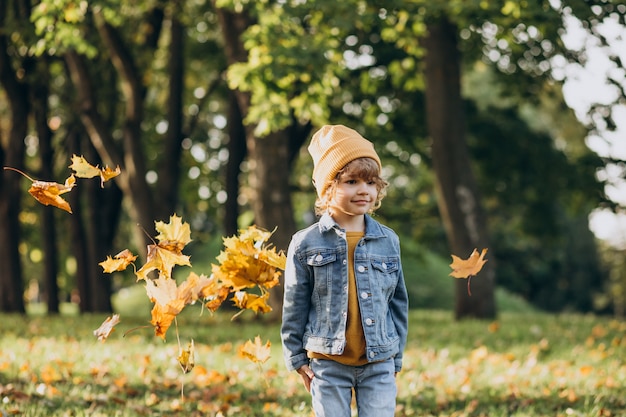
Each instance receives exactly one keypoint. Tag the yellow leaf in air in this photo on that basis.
(107, 327)
(256, 303)
(257, 352)
(119, 262)
(170, 299)
(84, 169)
(49, 193)
(465, 268)
(186, 358)
(174, 235)
(163, 260)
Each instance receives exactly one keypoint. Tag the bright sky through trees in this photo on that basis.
(587, 85)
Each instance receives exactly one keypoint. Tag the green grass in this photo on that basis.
(525, 364)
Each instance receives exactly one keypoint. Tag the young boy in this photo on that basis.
(345, 308)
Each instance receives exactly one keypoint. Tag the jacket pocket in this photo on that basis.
(386, 273)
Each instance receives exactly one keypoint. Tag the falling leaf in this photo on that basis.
(107, 327)
(186, 358)
(468, 267)
(256, 303)
(257, 352)
(84, 169)
(119, 262)
(49, 193)
(170, 299)
(164, 255)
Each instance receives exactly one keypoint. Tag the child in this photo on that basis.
(345, 308)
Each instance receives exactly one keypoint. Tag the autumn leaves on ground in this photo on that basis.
(521, 365)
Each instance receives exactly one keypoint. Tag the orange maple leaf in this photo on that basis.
(49, 193)
(107, 327)
(256, 303)
(84, 169)
(257, 352)
(170, 299)
(119, 262)
(467, 268)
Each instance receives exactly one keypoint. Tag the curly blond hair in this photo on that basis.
(364, 168)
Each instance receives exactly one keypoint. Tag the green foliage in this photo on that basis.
(525, 364)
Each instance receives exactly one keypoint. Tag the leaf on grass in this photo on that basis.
(107, 327)
(186, 358)
(257, 352)
(465, 268)
(49, 193)
(119, 262)
(84, 169)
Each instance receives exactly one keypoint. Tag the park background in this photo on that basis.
(491, 132)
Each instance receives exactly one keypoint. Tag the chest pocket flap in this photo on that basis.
(385, 265)
(320, 258)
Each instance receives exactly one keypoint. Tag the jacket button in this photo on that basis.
(319, 258)
(369, 321)
(372, 354)
(384, 265)
(361, 268)
(364, 295)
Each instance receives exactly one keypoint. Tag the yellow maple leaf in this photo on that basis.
(465, 268)
(119, 262)
(170, 299)
(256, 303)
(257, 352)
(186, 358)
(163, 260)
(107, 327)
(174, 235)
(84, 169)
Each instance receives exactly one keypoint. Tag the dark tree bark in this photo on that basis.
(170, 169)
(237, 152)
(12, 155)
(48, 224)
(458, 197)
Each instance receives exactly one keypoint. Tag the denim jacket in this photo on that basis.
(316, 293)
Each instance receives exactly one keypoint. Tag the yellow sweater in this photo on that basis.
(354, 353)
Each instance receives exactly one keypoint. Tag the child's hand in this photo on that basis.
(307, 375)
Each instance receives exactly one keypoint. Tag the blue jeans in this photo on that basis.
(374, 387)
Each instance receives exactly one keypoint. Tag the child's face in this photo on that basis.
(354, 195)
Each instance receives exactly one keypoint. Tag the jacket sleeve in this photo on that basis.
(296, 305)
(399, 308)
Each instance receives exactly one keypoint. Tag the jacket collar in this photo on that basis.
(373, 229)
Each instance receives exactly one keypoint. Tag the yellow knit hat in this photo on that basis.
(333, 147)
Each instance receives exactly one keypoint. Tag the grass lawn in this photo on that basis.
(524, 364)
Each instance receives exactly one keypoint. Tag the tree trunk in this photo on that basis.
(458, 197)
(237, 152)
(170, 170)
(48, 224)
(11, 282)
